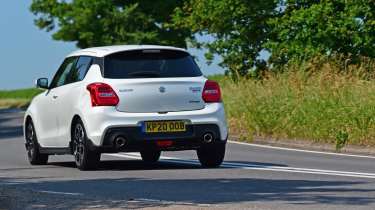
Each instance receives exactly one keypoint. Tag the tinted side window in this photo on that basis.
(63, 72)
(80, 69)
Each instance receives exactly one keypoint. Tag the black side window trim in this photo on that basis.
(100, 62)
(87, 68)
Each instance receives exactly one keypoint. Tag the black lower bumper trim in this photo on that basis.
(136, 140)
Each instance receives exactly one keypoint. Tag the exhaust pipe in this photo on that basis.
(120, 141)
(207, 138)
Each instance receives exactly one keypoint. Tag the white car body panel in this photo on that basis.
(52, 111)
(143, 95)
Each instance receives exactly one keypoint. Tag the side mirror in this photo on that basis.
(42, 83)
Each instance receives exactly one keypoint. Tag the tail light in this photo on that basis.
(211, 92)
(102, 95)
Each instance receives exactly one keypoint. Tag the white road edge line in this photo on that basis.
(60, 193)
(301, 150)
(167, 202)
(259, 167)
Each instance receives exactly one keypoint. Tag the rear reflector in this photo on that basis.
(164, 143)
(102, 95)
(211, 92)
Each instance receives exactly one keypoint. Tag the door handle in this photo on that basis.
(54, 97)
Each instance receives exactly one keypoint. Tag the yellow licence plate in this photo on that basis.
(164, 126)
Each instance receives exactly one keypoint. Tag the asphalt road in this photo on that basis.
(252, 177)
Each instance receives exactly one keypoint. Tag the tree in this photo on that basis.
(311, 28)
(104, 22)
(238, 27)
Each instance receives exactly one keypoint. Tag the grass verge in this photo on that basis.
(17, 98)
(325, 106)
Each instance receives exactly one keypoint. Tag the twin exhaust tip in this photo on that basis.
(207, 138)
(120, 141)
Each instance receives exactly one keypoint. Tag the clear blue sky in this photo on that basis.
(28, 53)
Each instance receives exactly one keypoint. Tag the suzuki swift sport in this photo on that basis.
(134, 98)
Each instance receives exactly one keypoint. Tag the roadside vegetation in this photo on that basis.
(316, 100)
(17, 98)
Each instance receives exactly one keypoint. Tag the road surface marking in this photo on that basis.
(256, 166)
(301, 150)
(60, 193)
(166, 202)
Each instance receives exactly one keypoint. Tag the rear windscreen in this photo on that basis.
(150, 64)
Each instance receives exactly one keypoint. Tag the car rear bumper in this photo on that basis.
(99, 121)
(136, 140)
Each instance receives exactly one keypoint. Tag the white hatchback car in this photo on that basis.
(133, 98)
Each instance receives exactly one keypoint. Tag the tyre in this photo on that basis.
(84, 158)
(211, 156)
(32, 147)
(150, 156)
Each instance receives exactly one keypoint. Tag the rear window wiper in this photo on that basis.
(144, 74)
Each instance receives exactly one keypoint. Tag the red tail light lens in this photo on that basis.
(102, 95)
(211, 92)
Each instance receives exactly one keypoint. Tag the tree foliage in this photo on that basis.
(289, 29)
(104, 22)
(239, 28)
(308, 28)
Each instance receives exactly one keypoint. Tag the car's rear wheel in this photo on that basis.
(150, 156)
(211, 156)
(84, 158)
(32, 147)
